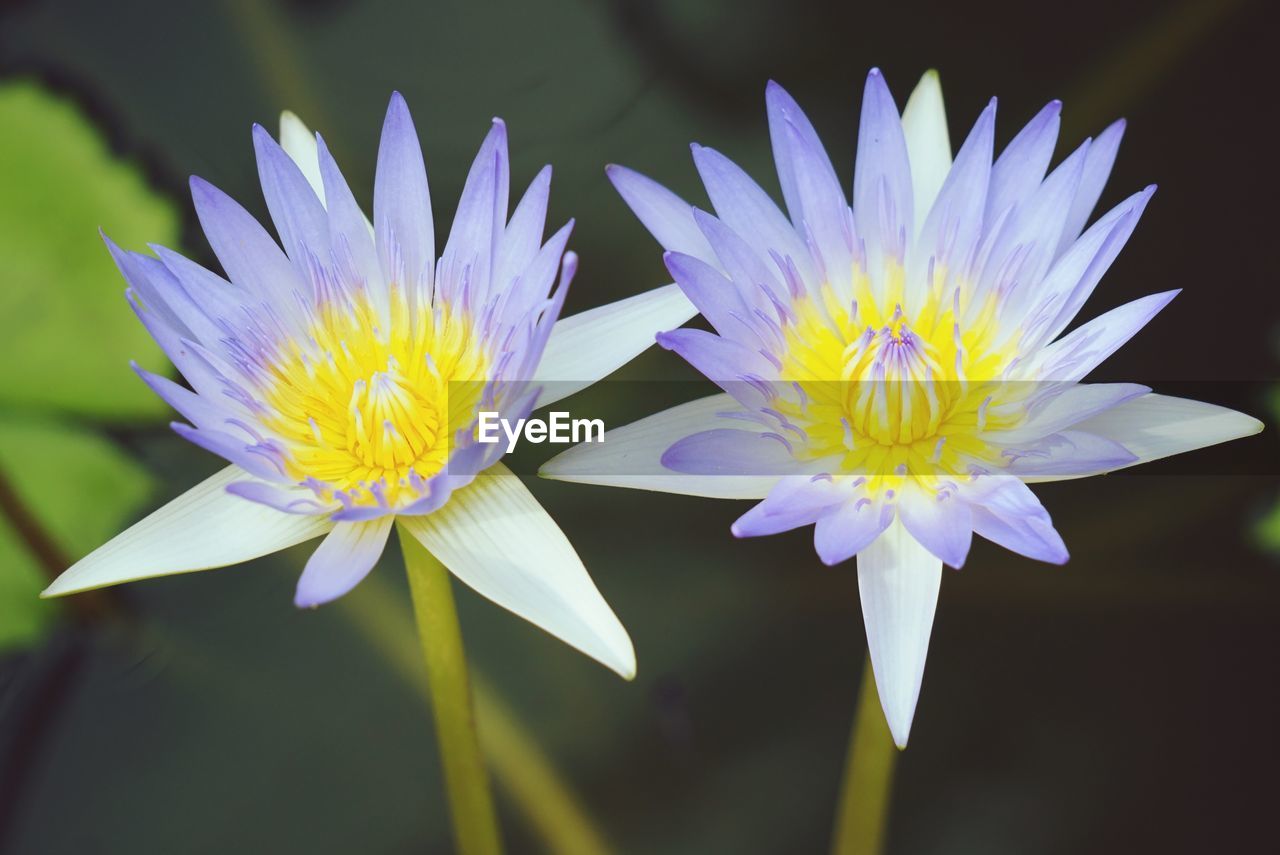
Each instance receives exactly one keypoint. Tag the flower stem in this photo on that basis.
(475, 824)
(863, 810)
(521, 769)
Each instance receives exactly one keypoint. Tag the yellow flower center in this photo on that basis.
(894, 393)
(364, 402)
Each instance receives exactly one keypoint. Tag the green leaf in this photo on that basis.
(81, 488)
(68, 333)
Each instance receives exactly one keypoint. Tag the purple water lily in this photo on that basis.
(895, 371)
(342, 374)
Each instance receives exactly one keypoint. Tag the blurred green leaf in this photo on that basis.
(61, 183)
(80, 487)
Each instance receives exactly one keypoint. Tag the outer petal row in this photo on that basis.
(631, 456)
(898, 582)
(495, 537)
(1152, 427)
(205, 527)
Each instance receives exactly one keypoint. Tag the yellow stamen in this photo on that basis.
(365, 399)
(895, 391)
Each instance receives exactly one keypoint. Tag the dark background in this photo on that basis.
(1126, 702)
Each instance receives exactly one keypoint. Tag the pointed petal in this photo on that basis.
(748, 265)
(1028, 245)
(1072, 452)
(250, 257)
(745, 208)
(1005, 511)
(193, 407)
(795, 501)
(1077, 271)
(497, 539)
(1097, 168)
(522, 237)
(206, 292)
(349, 228)
(295, 209)
(796, 150)
(631, 456)
(729, 451)
(203, 528)
(924, 125)
(290, 500)
(401, 201)
(1021, 166)
(480, 218)
(1069, 404)
(344, 558)
(953, 227)
(850, 529)
(1085, 348)
(300, 144)
(248, 455)
(716, 298)
(882, 194)
(723, 361)
(940, 521)
(162, 293)
(1152, 427)
(898, 582)
(591, 345)
(536, 280)
(824, 218)
(667, 217)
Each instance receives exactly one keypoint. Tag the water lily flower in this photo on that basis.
(895, 370)
(340, 376)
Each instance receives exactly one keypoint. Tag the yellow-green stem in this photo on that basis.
(475, 823)
(520, 767)
(863, 809)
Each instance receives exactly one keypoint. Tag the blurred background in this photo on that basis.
(1123, 703)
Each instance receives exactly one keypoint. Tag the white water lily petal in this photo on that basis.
(591, 345)
(898, 582)
(205, 527)
(924, 123)
(300, 144)
(631, 456)
(496, 538)
(1156, 426)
